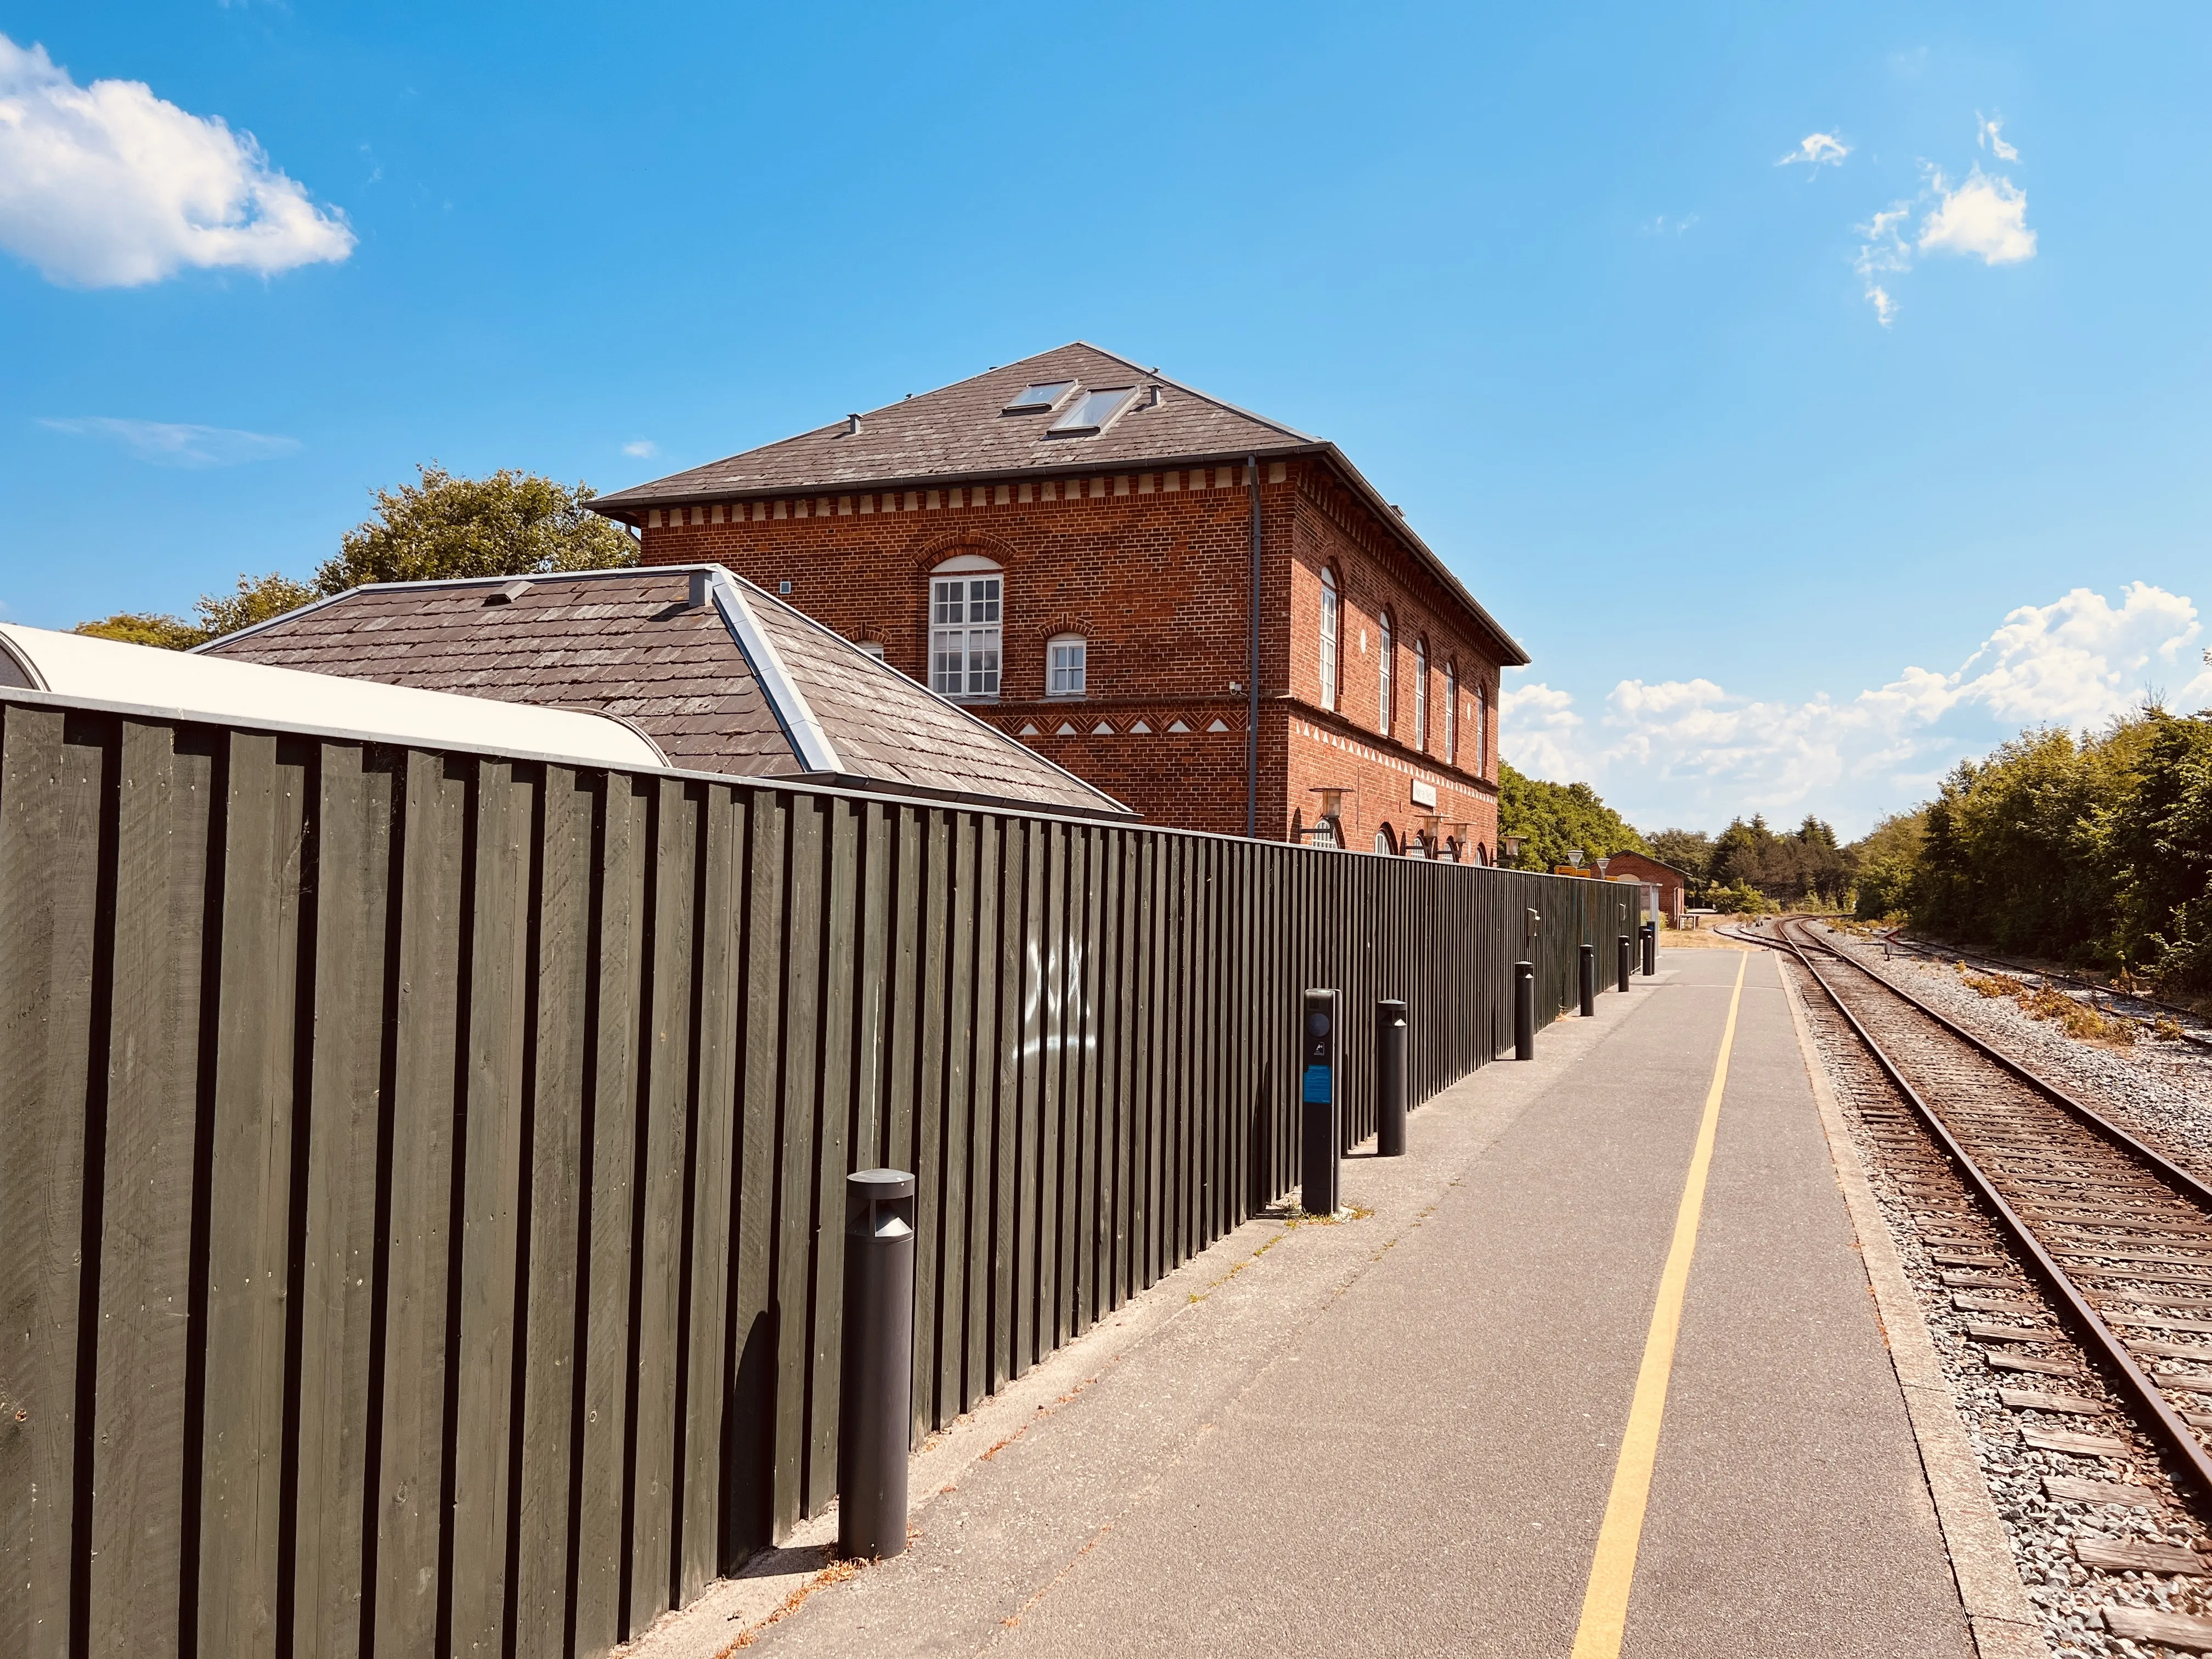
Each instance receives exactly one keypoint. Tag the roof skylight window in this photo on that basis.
(1093, 410)
(1043, 395)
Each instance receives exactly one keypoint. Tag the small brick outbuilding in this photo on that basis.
(1067, 545)
(1671, 884)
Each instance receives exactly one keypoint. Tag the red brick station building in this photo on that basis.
(1068, 546)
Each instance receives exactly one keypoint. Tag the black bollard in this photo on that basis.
(1320, 1138)
(1389, 1079)
(1651, 948)
(1524, 1011)
(1587, 962)
(875, 1407)
(1628, 960)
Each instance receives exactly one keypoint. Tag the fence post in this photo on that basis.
(1320, 1141)
(1626, 960)
(1524, 1011)
(1586, 962)
(873, 1403)
(1389, 1078)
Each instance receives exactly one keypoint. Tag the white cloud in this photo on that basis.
(109, 186)
(1816, 150)
(1686, 751)
(170, 444)
(1983, 216)
(642, 447)
(1883, 253)
(1990, 135)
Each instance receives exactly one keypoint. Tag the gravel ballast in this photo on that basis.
(1939, 1214)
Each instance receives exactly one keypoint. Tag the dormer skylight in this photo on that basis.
(1093, 410)
(1044, 395)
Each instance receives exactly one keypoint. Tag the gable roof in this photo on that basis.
(742, 684)
(965, 431)
(962, 430)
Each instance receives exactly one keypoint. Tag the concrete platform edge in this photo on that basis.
(2004, 1623)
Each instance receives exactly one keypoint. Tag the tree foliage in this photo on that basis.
(1554, 817)
(258, 599)
(510, 524)
(1690, 850)
(2092, 848)
(1792, 868)
(1886, 857)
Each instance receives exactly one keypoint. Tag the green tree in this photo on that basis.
(510, 524)
(258, 599)
(2156, 843)
(1887, 859)
(1690, 850)
(1551, 817)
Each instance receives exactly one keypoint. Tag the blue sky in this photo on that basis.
(1776, 541)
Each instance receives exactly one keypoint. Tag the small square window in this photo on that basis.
(1043, 395)
(1068, 661)
(1093, 410)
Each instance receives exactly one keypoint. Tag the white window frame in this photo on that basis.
(1481, 730)
(1078, 671)
(1331, 619)
(1421, 694)
(967, 629)
(870, 648)
(1451, 714)
(1384, 674)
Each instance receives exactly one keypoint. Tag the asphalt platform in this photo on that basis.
(1397, 1434)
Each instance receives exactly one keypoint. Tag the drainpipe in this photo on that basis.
(1252, 676)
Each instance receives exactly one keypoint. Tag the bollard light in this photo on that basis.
(1524, 1011)
(1321, 1139)
(1651, 948)
(875, 1403)
(1586, 965)
(1628, 960)
(1389, 1078)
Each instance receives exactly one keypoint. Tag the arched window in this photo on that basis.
(1382, 842)
(1481, 730)
(1383, 688)
(1420, 694)
(1067, 665)
(965, 608)
(1451, 714)
(1481, 853)
(1328, 632)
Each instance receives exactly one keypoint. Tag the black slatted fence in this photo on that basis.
(420, 1173)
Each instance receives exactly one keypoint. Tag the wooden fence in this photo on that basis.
(420, 1177)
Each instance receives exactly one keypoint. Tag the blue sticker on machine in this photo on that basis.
(1318, 1079)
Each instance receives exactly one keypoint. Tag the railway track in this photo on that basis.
(2077, 1262)
(2120, 1236)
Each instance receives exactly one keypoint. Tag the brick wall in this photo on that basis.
(1151, 568)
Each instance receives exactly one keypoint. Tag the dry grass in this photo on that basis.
(2077, 1019)
(835, 1573)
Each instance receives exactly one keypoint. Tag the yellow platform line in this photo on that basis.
(1612, 1571)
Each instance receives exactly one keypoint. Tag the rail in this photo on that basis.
(2003, 1193)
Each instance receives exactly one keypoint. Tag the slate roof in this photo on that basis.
(962, 431)
(743, 685)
